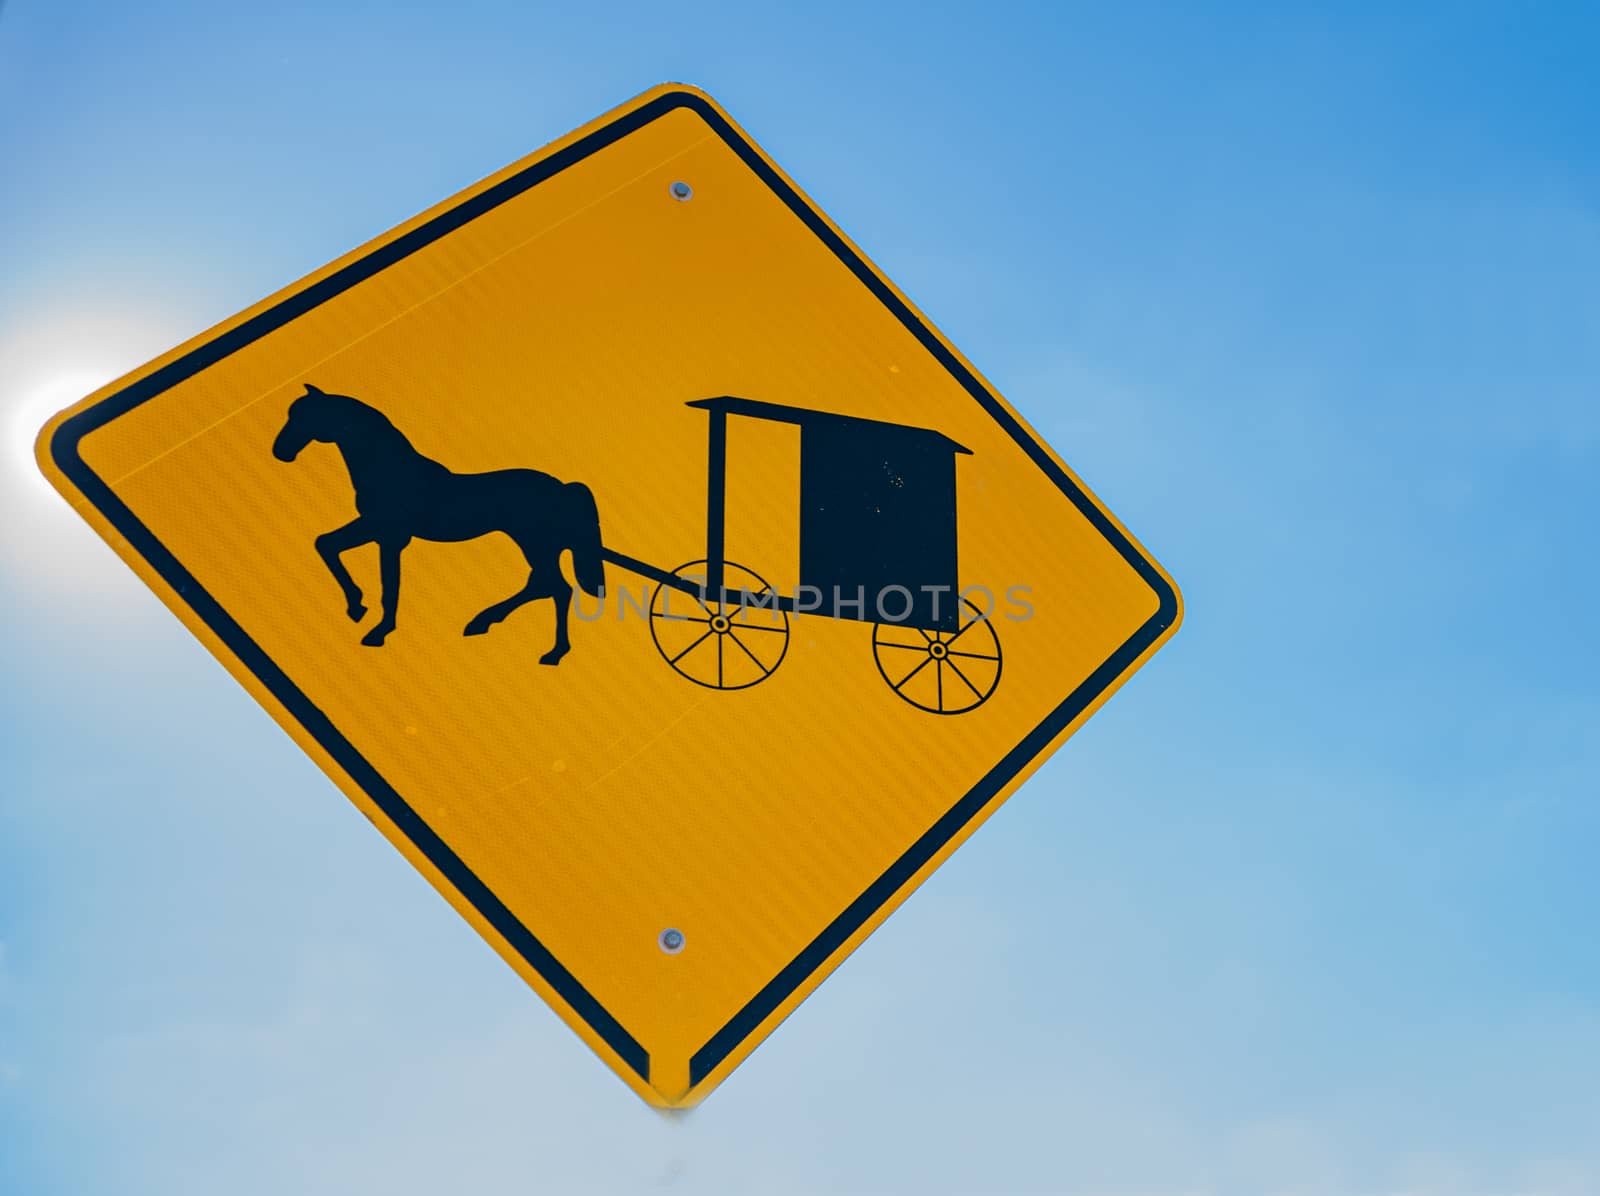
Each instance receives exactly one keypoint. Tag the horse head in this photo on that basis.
(315, 415)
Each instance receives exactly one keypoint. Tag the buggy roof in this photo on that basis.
(805, 417)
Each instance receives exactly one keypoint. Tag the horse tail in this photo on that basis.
(587, 563)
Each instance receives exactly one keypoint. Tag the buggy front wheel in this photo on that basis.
(721, 645)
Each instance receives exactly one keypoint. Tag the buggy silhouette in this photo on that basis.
(877, 544)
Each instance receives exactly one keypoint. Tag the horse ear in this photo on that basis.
(312, 390)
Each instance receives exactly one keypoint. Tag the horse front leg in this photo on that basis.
(330, 546)
(562, 593)
(389, 570)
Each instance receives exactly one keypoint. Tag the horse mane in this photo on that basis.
(368, 421)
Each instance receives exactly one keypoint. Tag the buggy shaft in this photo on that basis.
(695, 589)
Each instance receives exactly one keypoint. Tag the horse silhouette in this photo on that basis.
(402, 496)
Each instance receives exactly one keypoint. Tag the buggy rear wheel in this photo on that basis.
(942, 672)
(721, 645)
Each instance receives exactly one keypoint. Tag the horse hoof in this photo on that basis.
(374, 638)
(478, 627)
(552, 656)
(357, 611)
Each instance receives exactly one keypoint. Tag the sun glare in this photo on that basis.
(44, 548)
(29, 412)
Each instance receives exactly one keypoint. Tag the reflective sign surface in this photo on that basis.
(635, 556)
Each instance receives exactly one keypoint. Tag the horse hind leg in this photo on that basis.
(541, 584)
(562, 593)
(490, 615)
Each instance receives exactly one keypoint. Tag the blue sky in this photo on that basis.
(1310, 300)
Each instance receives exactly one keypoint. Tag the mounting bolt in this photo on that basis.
(681, 191)
(671, 940)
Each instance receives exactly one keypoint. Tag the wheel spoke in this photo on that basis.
(719, 661)
(765, 671)
(690, 648)
(975, 655)
(666, 604)
(912, 674)
(982, 618)
(700, 598)
(766, 604)
(922, 643)
(975, 691)
(939, 672)
(677, 618)
(964, 631)
(756, 627)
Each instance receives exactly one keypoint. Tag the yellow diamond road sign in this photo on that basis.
(639, 560)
